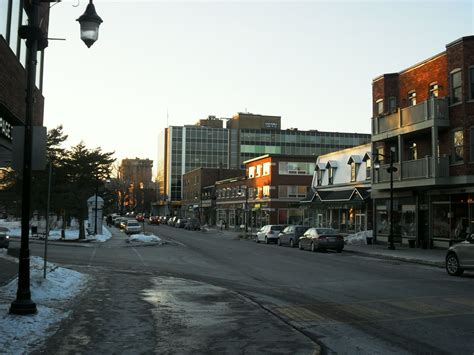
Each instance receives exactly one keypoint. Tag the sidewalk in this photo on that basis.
(8, 268)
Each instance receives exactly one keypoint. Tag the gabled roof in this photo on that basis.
(320, 166)
(354, 194)
(367, 156)
(331, 164)
(354, 158)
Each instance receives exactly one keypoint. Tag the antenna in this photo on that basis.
(167, 117)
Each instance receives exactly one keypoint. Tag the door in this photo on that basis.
(423, 229)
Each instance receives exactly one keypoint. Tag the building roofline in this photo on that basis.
(459, 40)
(277, 155)
(233, 179)
(337, 152)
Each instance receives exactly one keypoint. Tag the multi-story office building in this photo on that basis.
(246, 136)
(423, 117)
(13, 73)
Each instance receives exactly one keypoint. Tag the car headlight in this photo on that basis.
(7, 237)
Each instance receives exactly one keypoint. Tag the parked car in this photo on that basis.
(291, 235)
(140, 217)
(123, 222)
(4, 238)
(269, 233)
(132, 227)
(154, 220)
(180, 223)
(321, 239)
(172, 221)
(193, 224)
(460, 257)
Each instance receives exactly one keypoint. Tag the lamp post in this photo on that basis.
(246, 207)
(35, 40)
(391, 169)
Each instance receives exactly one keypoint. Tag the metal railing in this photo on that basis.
(431, 109)
(427, 167)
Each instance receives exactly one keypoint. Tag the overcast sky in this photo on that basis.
(312, 62)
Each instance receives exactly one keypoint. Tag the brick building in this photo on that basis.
(198, 192)
(270, 192)
(424, 117)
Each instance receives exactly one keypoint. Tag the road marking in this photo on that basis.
(419, 307)
(299, 314)
(92, 256)
(139, 256)
(460, 300)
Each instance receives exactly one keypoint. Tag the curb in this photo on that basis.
(438, 264)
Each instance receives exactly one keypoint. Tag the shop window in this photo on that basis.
(408, 221)
(458, 145)
(456, 86)
(441, 217)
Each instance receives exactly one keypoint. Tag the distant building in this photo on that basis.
(246, 136)
(270, 192)
(424, 117)
(137, 192)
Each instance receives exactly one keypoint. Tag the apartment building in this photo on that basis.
(423, 118)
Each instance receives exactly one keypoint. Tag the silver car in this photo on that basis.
(269, 233)
(460, 257)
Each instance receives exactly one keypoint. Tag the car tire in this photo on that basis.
(313, 248)
(339, 250)
(266, 240)
(452, 265)
(279, 242)
(256, 240)
(292, 244)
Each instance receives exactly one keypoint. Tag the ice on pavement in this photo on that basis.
(20, 334)
(358, 238)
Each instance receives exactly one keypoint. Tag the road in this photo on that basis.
(346, 303)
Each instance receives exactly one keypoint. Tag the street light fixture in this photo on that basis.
(391, 169)
(90, 23)
(36, 41)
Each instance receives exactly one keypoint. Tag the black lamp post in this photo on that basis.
(246, 206)
(391, 169)
(90, 23)
(36, 41)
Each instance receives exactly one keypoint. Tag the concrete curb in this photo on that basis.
(439, 264)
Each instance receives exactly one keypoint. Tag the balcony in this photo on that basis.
(419, 170)
(426, 114)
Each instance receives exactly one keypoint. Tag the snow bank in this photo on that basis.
(20, 334)
(144, 238)
(358, 238)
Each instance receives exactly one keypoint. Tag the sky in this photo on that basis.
(160, 63)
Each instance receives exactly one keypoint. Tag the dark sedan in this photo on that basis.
(321, 239)
(291, 235)
(4, 237)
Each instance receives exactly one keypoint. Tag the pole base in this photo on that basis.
(23, 307)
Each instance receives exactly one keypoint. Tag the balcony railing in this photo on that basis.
(424, 168)
(431, 109)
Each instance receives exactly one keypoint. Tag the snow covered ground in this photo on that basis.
(358, 238)
(14, 228)
(20, 334)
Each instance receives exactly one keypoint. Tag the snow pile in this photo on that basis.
(358, 238)
(20, 334)
(144, 238)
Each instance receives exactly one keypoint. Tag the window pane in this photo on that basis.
(3, 17)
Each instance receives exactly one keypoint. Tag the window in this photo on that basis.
(259, 170)
(296, 168)
(413, 152)
(354, 170)
(392, 104)
(456, 86)
(471, 83)
(458, 142)
(412, 98)
(292, 191)
(266, 168)
(320, 174)
(434, 90)
(331, 173)
(251, 172)
(3, 18)
(368, 168)
(266, 191)
(379, 106)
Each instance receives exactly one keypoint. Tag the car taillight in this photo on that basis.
(322, 238)
(271, 232)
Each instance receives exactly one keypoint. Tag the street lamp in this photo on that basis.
(90, 23)
(246, 206)
(36, 41)
(391, 169)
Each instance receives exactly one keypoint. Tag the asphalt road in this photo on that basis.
(347, 303)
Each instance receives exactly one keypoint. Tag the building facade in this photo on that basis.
(423, 117)
(268, 194)
(137, 190)
(245, 137)
(340, 191)
(13, 74)
(198, 197)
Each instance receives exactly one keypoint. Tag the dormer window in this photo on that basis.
(354, 162)
(368, 165)
(331, 166)
(320, 168)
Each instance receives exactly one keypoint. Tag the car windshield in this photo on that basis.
(277, 228)
(323, 231)
(132, 224)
